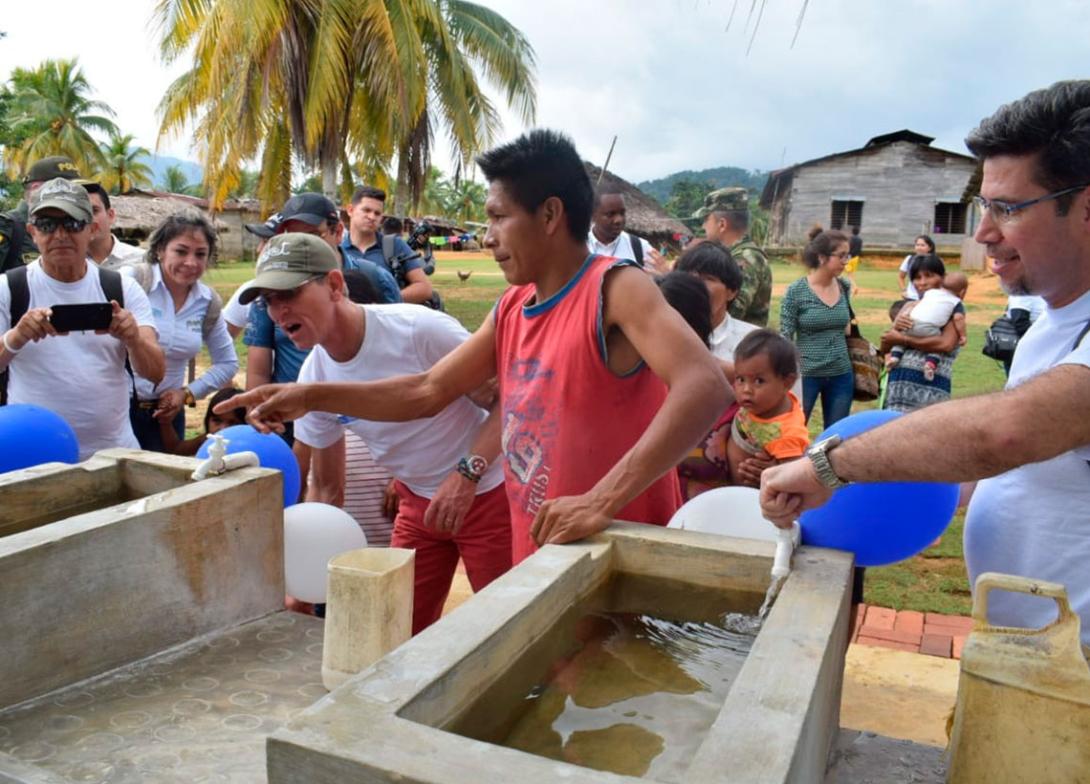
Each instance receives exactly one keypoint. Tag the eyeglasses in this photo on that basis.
(49, 225)
(844, 254)
(285, 296)
(1002, 211)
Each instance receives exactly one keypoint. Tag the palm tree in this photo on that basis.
(125, 168)
(174, 180)
(329, 81)
(52, 114)
(465, 201)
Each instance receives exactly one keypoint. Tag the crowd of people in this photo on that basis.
(484, 446)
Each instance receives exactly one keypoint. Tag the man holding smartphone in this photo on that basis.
(81, 373)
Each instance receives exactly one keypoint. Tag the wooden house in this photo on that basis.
(893, 188)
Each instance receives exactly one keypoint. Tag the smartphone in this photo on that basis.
(85, 316)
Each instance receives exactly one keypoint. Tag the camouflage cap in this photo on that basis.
(723, 200)
(290, 260)
(51, 168)
(60, 194)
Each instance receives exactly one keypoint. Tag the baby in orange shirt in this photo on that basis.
(770, 418)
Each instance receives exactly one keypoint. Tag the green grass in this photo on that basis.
(935, 580)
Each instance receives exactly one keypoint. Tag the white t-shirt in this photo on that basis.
(234, 312)
(122, 255)
(935, 307)
(620, 248)
(401, 339)
(906, 268)
(81, 375)
(1034, 521)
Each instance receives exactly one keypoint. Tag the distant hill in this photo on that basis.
(720, 177)
(160, 163)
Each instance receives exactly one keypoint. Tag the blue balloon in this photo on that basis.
(881, 522)
(272, 452)
(32, 435)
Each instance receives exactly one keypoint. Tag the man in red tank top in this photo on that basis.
(603, 387)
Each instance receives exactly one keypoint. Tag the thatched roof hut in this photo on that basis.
(646, 217)
(140, 211)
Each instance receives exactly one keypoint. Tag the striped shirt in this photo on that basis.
(364, 490)
(817, 329)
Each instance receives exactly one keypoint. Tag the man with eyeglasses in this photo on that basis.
(1029, 445)
(79, 375)
(450, 486)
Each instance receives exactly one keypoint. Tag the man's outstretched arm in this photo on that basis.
(698, 395)
(978, 437)
(397, 399)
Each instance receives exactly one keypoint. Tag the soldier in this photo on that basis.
(726, 218)
(16, 245)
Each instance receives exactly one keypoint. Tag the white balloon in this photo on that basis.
(728, 511)
(313, 534)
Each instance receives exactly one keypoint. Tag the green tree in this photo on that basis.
(247, 185)
(466, 201)
(174, 180)
(124, 167)
(687, 196)
(51, 113)
(329, 81)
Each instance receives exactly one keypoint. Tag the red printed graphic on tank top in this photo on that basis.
(567, 418)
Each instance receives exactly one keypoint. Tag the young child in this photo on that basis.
(770, 417)
(940, 302)
(213, 423)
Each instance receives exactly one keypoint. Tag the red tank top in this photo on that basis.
(567, 418)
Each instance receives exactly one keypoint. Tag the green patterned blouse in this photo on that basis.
(817, 329)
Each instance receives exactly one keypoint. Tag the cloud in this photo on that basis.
(669, 79)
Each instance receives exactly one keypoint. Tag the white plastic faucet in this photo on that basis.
(218, 461)
(786, 542)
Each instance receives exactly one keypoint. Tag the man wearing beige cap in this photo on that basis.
(452, 502)
(79, 375)
(726, 218)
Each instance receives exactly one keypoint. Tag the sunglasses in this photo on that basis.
(287, 295)
(50, 225)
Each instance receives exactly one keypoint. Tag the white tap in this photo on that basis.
(786, 542)
(218, 461)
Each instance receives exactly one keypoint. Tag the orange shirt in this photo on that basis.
(784, 437)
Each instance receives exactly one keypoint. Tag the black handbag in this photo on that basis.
(1001, 339)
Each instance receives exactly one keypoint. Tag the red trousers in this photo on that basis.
(483, 543)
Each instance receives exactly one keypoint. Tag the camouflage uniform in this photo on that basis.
(755, 296)
(13, 221)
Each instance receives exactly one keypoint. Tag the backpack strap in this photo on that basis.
(1078, 340)
(388, 249)
(212, 315)
(637, 248)
(110, 280)
(20, 292)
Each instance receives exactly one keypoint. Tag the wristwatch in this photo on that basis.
(472, 467)
(819, 456)
(190, 401)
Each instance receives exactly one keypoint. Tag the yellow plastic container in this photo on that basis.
(1023, 709)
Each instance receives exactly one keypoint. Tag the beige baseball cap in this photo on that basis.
(290, 260)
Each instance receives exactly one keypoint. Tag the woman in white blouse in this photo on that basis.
(187, 315)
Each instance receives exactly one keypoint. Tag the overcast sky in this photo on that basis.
(669, 78)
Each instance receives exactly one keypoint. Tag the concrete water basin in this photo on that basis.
(437, 708)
